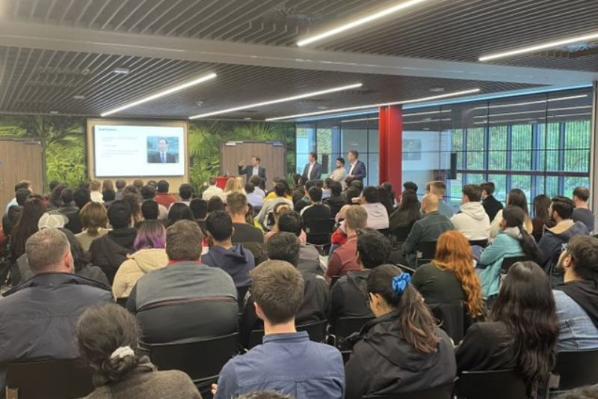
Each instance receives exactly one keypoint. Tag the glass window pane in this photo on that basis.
(475, 148)
(497, 157)
(521, 144)
(523, 183)
(577, 146)
(500, 182)
(304, 145)
(571, 183)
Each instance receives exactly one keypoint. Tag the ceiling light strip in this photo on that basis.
(337, 110)
(162, 93)
(532, 111)
(359, 22)
(539, 47)
(532, 102)
(279, 100)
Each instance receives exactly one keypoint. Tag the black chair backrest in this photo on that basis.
(201, 359)
(345, 326)
(318, 231)
(498, 384)
(451, 317)
(316, 331)
(576, 369)
(440, 392)
(510, 261)
(479, 243)
(48, 379)
(426, 250)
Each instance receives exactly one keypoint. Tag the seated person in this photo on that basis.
(426, 229)
(336, 200)
(491, 205)
(110, 251)
(402, 350)
(405, 216)
(71, 211)
(185, 299)
(316, 299)
(279, 196)
(344, 258)
(255, 198)
(378, 218)
(309, 257)
(349, 297)
(37, 318)
(472, 221)
(511, 339)
(582, 212)
(438, 189)
(577, 300)
(305, 201)
(232, 258)
(287, 362)
(244, 233)
(186, 193)
(108, 339)
(316, 214)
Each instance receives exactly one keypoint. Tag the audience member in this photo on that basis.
(213, 190)
(344, 259)
(199, 207)
(11, 217)
(280, 191)
(410, 186)
(186, 193)
(491, 205)
(336, 200)
(582, 212)
(163, 197)
(377, 213)
(287, 362)
(279, 210)
(234, 185)
(134, 202)
(339, 173)
(206, 304)
(577, 300)
(402, 350)
(81, 263)
(22, 185)
(388, 198)
(451, 277)
(149, 255)
(404, 217)
(541, 216)
(244, 233)
(26, 226)
(551, 243)
(39, 316)
(148, 193)
(438, 188)
(150, 210)
(95, 187)
(232, 258)
(253, 197)
(215, 204)
(521, 333)
(472, 221)
(259, 186)
(516, 198)
(69, 210)
(309, 257)
(110, 251)
(314, 216)
(82, 197)
(120, 186)
(94, 220)
(108, 197)
(304, 201)
(512, 241)
(108, 339)
(427, 229)
(349, 295)
(179, 211)
(138, 183)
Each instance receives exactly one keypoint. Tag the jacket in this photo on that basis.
(577, 332)
(110, 251)
(357, 172)
(136, 265)
(401, 222)
(487, 346)
(552, 242)
(309, 260)
(236, 261)
(506, 245)
(427, 229)
(335, 203)
(491, 206)
(377, 216)
(72, 213)
(382, 363)
(472, 221)
(248, 172)
(349, 297)
(316, 172)
(85, 239)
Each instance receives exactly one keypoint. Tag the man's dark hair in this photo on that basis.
(371, 195)
(584, 252)
(21, 196)
(341, 160)
(473, 192)
(186, 191)
(108, 195)
(179, 211)
(315, 194)
(183, 241)
(150, 210)
(373, 248)
(81, 196)
(257, 182)
(215, 204)
(212, 181)
(199, 207)
(488, 187)
(278, 290)
(355, 153)
(163, 186)
(120, 184)
(284, 246)
(336, 188)
(582, 193)
(257, 158)
(119, 214)
(24, 184)
(290, 222)
(219, 225)
(410, 186)
(314, 155)
(249, 188)
(148, 192)
(563, 206)
(280, 189)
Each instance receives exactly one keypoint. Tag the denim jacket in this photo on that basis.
(577, 332)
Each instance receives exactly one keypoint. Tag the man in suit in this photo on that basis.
(162, 156)
(357, 170)
(313, 170)
(252, 170)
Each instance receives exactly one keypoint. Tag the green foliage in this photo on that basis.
(65, 161)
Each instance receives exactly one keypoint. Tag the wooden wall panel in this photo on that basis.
(19, 160)
(273, 156)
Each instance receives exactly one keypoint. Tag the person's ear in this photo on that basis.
(258, 311)
(69, 262)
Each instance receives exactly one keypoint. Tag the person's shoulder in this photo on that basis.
(328, 353)
(176, 378)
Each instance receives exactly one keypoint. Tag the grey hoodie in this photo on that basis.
(472, 221)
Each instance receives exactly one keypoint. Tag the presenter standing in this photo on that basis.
(313, 170)
(357, 170)
(255, 169)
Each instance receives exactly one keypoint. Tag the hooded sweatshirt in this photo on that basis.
(236, 261)
(377, 216)
(506, 245)
(472, 221)
(136, 265)
(383, 363)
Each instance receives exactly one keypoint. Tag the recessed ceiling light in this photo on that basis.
(247, 118)
(437, 89)
(278, 100)
(53, 112)
(359, 21)
(162, 93)
(78, 97)
(121, 71)
(538, 47)
(322, 107)
(337, 110)
(199, 103)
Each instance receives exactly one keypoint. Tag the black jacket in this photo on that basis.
(335, 204)
(491, 206)
(72, 213)
(486, 346)
(349, 297)
(382, 363)
(110, 251)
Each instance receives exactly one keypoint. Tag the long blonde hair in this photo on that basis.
(234, 184)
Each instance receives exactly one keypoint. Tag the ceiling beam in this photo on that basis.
(64, 38)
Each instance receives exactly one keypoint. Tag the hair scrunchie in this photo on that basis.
(400, 283)
(122, 352)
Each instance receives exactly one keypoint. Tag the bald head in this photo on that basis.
(430, 203)
(49, 251)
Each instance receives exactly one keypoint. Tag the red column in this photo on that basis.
(390, 130)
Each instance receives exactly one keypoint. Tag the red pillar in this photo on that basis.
(390, 130)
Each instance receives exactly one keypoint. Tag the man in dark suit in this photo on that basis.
(357, 168)
(313, 170)
(252, 170)
(162, 156)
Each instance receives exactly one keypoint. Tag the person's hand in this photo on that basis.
(214, 389)
(242, 162)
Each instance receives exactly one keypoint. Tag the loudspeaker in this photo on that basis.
(453, 171)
